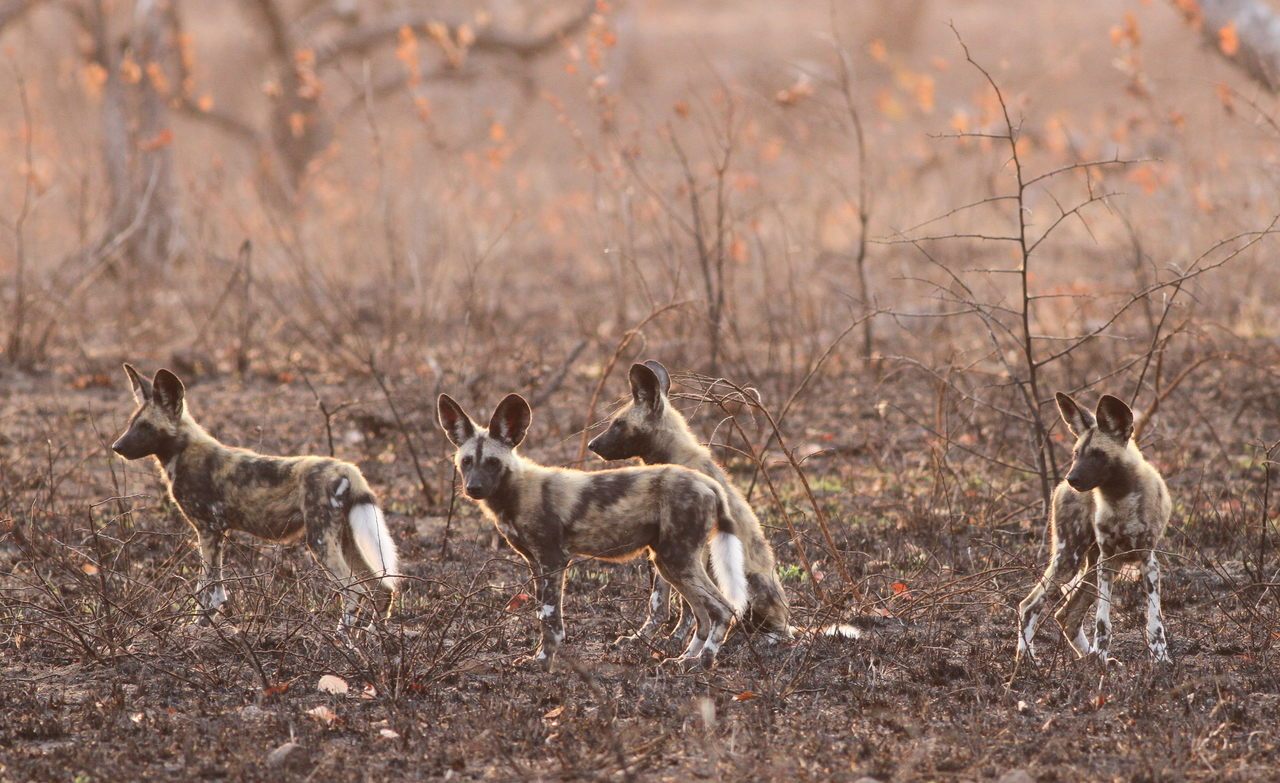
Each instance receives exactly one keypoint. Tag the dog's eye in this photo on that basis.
(466, 462)
(491, 462)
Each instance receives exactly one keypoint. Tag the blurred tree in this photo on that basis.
(144, 214)
(139, 55)
(309, 41)
(1245, 32)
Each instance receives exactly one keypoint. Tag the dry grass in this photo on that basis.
(692, 194)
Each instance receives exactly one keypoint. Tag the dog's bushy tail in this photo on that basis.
(728, 559)
(373, 539)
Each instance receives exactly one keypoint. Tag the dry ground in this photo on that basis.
(536, 233)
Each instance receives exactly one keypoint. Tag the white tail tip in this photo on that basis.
(727, 561)
(843, 631)
(373, 539)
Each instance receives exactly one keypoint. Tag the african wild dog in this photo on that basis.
(1111, 509)
(650, 428)
(220, 488)
(549, 515)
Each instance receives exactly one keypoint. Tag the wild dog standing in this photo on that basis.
(550, 515)
(650, 428)
(219, 488)
(1111, 509)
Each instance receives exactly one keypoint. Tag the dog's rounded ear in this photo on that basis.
(454, 421)
(664, 378)
(510, 420)
(1114, 417)
(646, 387)
(1078, 419)
(168, 392)
(141, 386)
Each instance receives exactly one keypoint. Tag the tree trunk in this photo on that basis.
(1255, 48)
(144, 218)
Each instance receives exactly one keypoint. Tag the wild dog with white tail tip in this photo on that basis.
(1111, 509)
(550, 515)
(650, 428)
(221, 488)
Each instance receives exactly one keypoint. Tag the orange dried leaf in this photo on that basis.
(423, 105)
(1190, 12)
(518, 600)
(1127, 32)
(889, 105)
(497, 133)
(407, 54)
(878, 51)
(924, 89)
(297, 124)
(899, 588)
(1225, 97)
(159, 80)
(1201, 197)
(93, 77)
(1228, 40)
(130, 71)
(792, 95)
(1146, 178)
(162, 139)
(466, 36)
(205, 103)
(89, 568)
(186, 51)
(553, 713)
(746, 696)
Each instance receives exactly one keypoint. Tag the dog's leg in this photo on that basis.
(685, 627)
(1031, 607)
(707, 605)
(1156, 640)
(694, 610)
(659, 608)
(1102, 636)
(1080, 595)
(210, 591)
(549, 572)
(325, 546)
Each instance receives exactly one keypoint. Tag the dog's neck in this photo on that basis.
(1127, 479)
(190, 434)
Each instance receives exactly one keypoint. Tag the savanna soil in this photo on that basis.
(538, 234)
